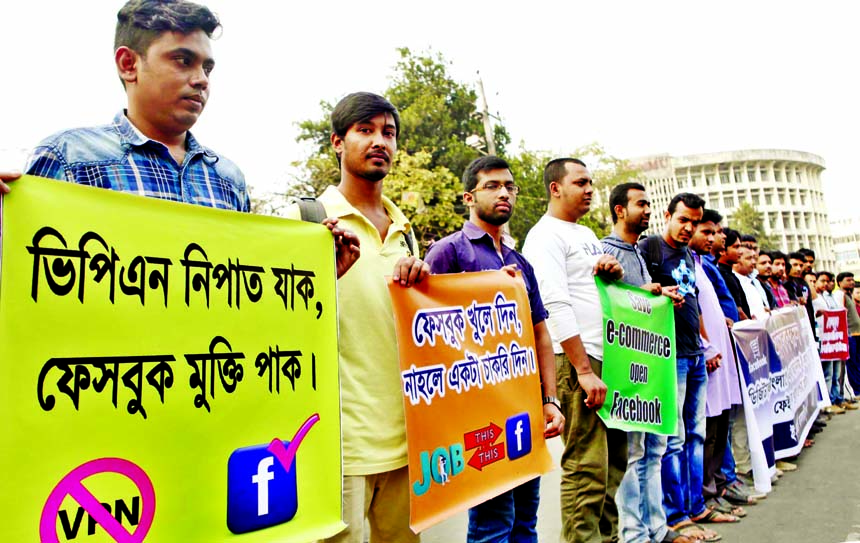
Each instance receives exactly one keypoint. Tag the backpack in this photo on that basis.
(313, 211)
(653, 255)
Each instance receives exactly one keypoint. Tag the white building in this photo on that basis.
(846, 245)
(783, 185)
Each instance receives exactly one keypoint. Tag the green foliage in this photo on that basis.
(426, 195)
(606, 171)
(746, 219)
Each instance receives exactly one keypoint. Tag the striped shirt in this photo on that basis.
(119, 157)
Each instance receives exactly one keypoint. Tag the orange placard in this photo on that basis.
(471, 388)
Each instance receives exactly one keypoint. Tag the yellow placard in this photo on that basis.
(173, 362)
(471, 388)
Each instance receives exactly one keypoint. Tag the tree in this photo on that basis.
(437, 116)
(746, 219)
(606, 171)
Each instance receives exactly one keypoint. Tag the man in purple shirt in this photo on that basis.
(490, 194)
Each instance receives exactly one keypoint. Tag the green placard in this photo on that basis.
(638, 360)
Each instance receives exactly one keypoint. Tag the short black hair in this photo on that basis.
(779, 255)
(796, 255)
(481, 164)
(360, 107)
(731, 236)
(556, 169)
(844, 275)
(806, 252)
(748, 238)
(692, 201)
(140, 22)
(711, 215)
(824, 273)
(618, 197)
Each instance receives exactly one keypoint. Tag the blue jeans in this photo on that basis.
(640, 496)
(836, 379)
(683, 461)
(510, 517)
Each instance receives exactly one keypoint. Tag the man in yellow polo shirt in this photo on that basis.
(365, 127)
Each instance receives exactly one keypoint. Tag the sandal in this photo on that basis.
(674, 537)
(692, 530)
(711, 516)
(720, 504)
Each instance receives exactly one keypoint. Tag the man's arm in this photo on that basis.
(594, 387)
(608, 267)
(553, 418)
(346, 244)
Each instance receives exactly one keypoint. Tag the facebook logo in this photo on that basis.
(260, 492)
(519, 433)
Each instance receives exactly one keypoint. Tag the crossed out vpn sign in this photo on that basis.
(71, 485)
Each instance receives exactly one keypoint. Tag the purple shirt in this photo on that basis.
(471, 250)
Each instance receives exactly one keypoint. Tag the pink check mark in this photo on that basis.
(286, 455)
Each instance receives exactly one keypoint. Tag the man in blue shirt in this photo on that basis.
(163, 57)
(490, 194)
(164, 60)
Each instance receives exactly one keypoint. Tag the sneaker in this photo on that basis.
(848, 406)
(834, 410)
(785, 466)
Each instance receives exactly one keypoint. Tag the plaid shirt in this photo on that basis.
(780, 294)
(119, 157)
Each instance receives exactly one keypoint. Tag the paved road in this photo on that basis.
(818, 503)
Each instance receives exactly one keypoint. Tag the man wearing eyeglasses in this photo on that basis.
(490, 195)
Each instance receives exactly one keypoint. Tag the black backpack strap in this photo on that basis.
(654, 254)
(311, 209)
(410, 243)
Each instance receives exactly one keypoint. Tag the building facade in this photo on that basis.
(846, 245)
(783, 185)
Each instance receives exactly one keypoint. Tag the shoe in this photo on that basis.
(723, 506)
(779, 473)
(694, 531)
(820, 424)
(848, 406)
(815, 429)
(735, 494)
(834, 410)
(784, 466)
(751, 491)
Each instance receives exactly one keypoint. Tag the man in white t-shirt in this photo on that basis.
(566, 256)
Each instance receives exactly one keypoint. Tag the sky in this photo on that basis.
(640, 78)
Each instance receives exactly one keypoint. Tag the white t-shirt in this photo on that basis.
(563, 255)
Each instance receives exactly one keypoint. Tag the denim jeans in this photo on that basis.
(510, 517)
(682, 463)
(641, 517)
(836, 379)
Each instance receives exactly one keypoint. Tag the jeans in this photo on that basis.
(510, 517)
(728, 467)
(682, 463)
(641, 517)
(592, 464)
(836, 379)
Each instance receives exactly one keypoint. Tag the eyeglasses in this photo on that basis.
(495, 186)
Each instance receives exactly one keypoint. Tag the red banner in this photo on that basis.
(834, 334)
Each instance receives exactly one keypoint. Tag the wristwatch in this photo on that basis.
(553, 400)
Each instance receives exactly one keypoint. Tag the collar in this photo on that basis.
(613, 236)
(474, 232)
(337, 205)
(131, 136)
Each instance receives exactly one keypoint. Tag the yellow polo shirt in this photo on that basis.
(374, 426)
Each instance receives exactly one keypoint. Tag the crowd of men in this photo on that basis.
(634, 487)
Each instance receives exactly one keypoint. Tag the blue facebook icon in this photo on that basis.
(260, 492)
(519, 433)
